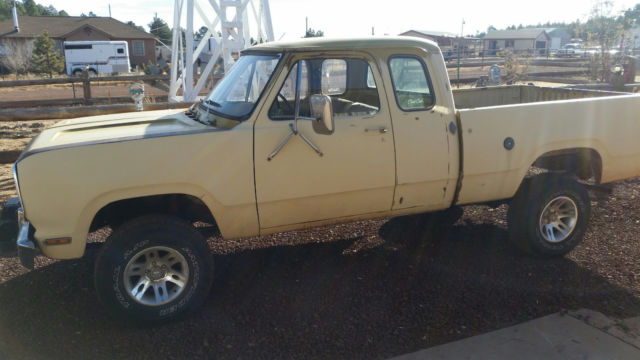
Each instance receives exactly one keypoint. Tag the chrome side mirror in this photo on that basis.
(322, 111)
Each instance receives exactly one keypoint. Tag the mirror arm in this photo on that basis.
(311, 145)
(297, 105)
(294, 127)
(282, 144)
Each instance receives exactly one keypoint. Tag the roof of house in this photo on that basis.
(557, 31)
(59, 26)
(514, 34)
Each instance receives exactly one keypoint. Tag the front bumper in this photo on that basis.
(16, 231)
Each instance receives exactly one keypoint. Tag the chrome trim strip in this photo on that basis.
(14, 169)
(26, 247)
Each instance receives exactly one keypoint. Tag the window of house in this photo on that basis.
(347, 81)
(509, 43)
(411, 83)
(138, 48)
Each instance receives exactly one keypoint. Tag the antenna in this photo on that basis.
(228, 32)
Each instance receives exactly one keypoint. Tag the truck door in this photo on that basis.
(425, 137)
(355, 173)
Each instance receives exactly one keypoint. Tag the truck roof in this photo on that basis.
(311, 44)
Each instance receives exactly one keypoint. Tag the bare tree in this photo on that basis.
(17, 55)
(605, 30)
(515, 66)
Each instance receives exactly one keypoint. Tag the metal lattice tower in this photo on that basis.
(229, 24)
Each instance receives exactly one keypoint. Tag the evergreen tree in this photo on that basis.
(161, 30)
(314, 33)
(46, 60)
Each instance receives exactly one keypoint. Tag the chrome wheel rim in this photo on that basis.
(156, 276)
(558, 219)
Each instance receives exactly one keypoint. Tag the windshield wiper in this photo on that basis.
(211, 102)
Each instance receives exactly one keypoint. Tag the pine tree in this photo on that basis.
(161, 30)
(46, 59)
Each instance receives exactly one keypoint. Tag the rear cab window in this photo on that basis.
(411, 83)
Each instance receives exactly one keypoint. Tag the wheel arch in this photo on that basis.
(583, 162)
(185, 206)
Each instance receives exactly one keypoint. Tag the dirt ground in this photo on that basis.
(370, 289)
(306, 294)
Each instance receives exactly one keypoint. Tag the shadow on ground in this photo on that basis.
(423, 287)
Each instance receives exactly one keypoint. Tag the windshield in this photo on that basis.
(238, 92)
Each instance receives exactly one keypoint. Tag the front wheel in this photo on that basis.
(549, 215)
(154, 269)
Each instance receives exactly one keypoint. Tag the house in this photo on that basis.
(70, 28)
(447, 42)
(523, 40)
(559, 38)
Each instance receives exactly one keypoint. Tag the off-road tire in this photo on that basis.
(131, 239)
(525, 210)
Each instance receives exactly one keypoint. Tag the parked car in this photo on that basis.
(571, 50)
(304, 134)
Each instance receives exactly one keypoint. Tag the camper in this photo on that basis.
(97, 57)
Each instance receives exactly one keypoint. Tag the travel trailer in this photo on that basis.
(97, 57)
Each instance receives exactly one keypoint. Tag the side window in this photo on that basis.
(283, 107)
(120, 51)
(349, 83)
(411, 83)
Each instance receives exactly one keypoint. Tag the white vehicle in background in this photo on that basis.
(571, 50)
(97, 57)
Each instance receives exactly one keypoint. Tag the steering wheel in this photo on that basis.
(285, 102)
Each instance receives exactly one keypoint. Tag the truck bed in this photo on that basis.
(519, 94)
(539, 122)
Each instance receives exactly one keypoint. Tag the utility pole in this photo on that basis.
(459, 46)
(373, 31)
(306, 26)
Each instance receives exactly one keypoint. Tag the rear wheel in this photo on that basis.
(153, 269)
(549, 215)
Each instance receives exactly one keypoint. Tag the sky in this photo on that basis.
(342, 18)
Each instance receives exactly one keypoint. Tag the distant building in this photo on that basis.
(523, 40)
(70, 28)
(448, 42)
(559, 38)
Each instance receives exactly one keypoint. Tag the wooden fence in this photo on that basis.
(84, 82)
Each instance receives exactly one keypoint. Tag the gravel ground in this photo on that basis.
(371, 289)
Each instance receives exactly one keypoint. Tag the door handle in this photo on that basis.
(381, 130)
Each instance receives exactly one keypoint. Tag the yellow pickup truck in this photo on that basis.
(308, 133)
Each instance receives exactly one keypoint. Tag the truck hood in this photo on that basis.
(115, 128)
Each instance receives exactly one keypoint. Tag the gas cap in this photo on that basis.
(509, 143)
